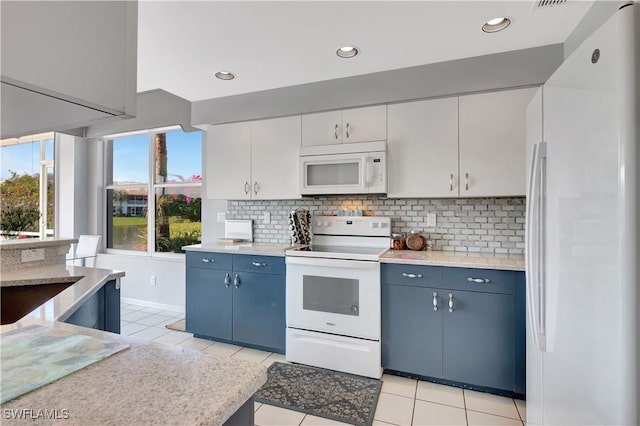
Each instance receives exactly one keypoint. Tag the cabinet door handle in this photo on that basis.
(451, 182)
(335, 131)
(246, 188)
(479, 280)
(466, 181)
(236, 281)
(227, 280)
(450, 302)
(205, 260)
(406, 275)
(254, 263)
(255, 188)
(435, 301)
(347, 130)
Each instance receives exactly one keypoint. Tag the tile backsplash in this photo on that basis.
(490, 225)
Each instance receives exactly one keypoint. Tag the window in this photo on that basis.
(168, 165)
(27, 186)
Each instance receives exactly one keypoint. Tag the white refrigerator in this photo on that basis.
(583, 234)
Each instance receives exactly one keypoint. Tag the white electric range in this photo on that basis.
(333, 295)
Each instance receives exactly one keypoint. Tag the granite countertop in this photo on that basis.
(510, 262)
(149, 383)
(262, 249)
(28, 243)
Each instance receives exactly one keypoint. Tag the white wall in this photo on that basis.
(169, 291)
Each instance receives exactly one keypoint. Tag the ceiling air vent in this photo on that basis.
(547, 3)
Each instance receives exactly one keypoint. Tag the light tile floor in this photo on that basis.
(402, 401)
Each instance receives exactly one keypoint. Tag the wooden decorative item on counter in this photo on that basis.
(416, 241)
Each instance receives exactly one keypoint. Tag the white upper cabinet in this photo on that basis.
(323, 128)
(253, 160)
(364, 124)
(492, 143)
(228, 161)
(275, 145)
(423, 149)
(345, 126)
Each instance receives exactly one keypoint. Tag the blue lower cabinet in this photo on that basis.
(208, 302)
(259, 311)
(101, 311)
(477, 343)
(411, 332)
(243, 305)
(478, 339)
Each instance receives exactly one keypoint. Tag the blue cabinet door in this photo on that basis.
(208, 302)
(479, 339)
(412, 330)
(101, 311)
(259, 310)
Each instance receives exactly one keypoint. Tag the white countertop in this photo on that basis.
(510, 262)
(264, 249)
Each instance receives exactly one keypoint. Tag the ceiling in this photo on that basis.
(270, 45)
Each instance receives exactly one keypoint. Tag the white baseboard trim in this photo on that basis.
(146, 303)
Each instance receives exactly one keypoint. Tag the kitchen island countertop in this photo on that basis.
(149, 383)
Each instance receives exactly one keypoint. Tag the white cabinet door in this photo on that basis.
(324, 128)
(228, 161)
(364, 124)
(274, 158)
(423, 149)
(492, 143)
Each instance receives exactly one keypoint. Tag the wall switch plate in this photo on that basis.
(32, 255)
(222, 216)
(431, 219)
(266, 218)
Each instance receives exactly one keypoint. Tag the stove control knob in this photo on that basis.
(327, 223)
(318, 224)
(375, 225)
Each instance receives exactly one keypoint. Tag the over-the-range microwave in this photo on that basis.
(357, 168)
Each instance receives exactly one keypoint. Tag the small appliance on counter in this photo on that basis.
(238, 230)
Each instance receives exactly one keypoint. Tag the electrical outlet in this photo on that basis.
(32, 255)
(266, 218)
(431, 220)
(222, 216)
(153, 280)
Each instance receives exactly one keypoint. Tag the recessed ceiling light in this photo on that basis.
(497, 24)
(347, 51)
(225, 75)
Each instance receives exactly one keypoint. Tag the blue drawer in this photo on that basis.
(413, 275)
(482, 280)
(201, 259)
(262, 264)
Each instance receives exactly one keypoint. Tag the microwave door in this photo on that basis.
(333, 174)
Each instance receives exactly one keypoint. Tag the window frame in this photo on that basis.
(150, 186)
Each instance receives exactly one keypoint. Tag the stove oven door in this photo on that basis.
(334, 296)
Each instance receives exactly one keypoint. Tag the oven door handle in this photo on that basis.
(333, 263)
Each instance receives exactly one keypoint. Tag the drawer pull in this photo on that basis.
(478, 280)
(435, 301)
(227, 280)
(254, 263)
(450, 302)
(406, 275)
(205, 260)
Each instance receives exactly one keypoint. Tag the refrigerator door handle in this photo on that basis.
(541, 228)
(533, 244)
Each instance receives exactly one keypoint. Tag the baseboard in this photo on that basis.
(147, 304)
